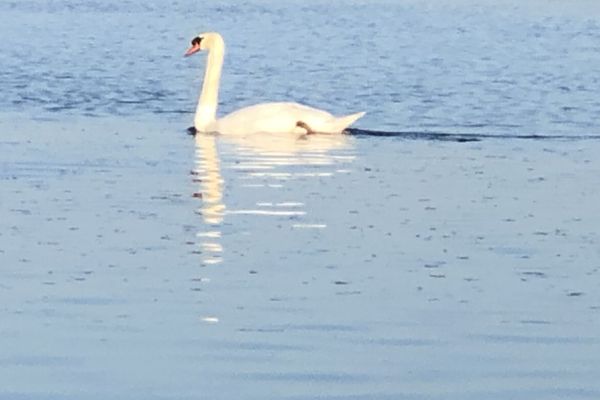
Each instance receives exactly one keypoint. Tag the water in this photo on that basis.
(443, 65)
(446, 249)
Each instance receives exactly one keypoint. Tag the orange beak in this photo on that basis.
(194, 49)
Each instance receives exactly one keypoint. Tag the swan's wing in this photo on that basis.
(271, 117)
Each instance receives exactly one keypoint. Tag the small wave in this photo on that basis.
(173, 111)
(465, 137)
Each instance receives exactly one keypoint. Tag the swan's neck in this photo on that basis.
(206, 111)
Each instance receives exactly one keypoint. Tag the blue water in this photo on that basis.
(527, 67)
(447, 248)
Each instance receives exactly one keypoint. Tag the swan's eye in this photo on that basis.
(196, 41)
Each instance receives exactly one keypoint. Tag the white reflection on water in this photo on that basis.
(260, 161)
(208, 174)
(274, 161)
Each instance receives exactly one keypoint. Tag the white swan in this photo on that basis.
(260, 118)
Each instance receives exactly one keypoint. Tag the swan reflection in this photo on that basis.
(208, 175)
(260, 161)
(291, 145)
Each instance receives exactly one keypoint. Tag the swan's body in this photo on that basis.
(266, 117)
(282, 118)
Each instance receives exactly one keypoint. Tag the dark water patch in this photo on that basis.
(466, 137)
(125, 101)
(535, 274)
(162, 111)
(61, 108)
(534, 322)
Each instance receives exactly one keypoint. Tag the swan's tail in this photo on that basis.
(339, 124)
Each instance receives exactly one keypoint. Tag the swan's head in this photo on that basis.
(205, 41)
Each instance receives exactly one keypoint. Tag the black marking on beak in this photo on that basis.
(196, 41)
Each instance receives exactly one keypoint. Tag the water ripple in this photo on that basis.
(467, 137)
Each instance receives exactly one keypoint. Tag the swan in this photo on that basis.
(279, 117)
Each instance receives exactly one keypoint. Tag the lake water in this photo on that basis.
(447, 248)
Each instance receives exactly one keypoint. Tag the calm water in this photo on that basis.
(137, 262)
(442, 65)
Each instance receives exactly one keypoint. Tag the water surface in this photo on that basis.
(446, 249)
